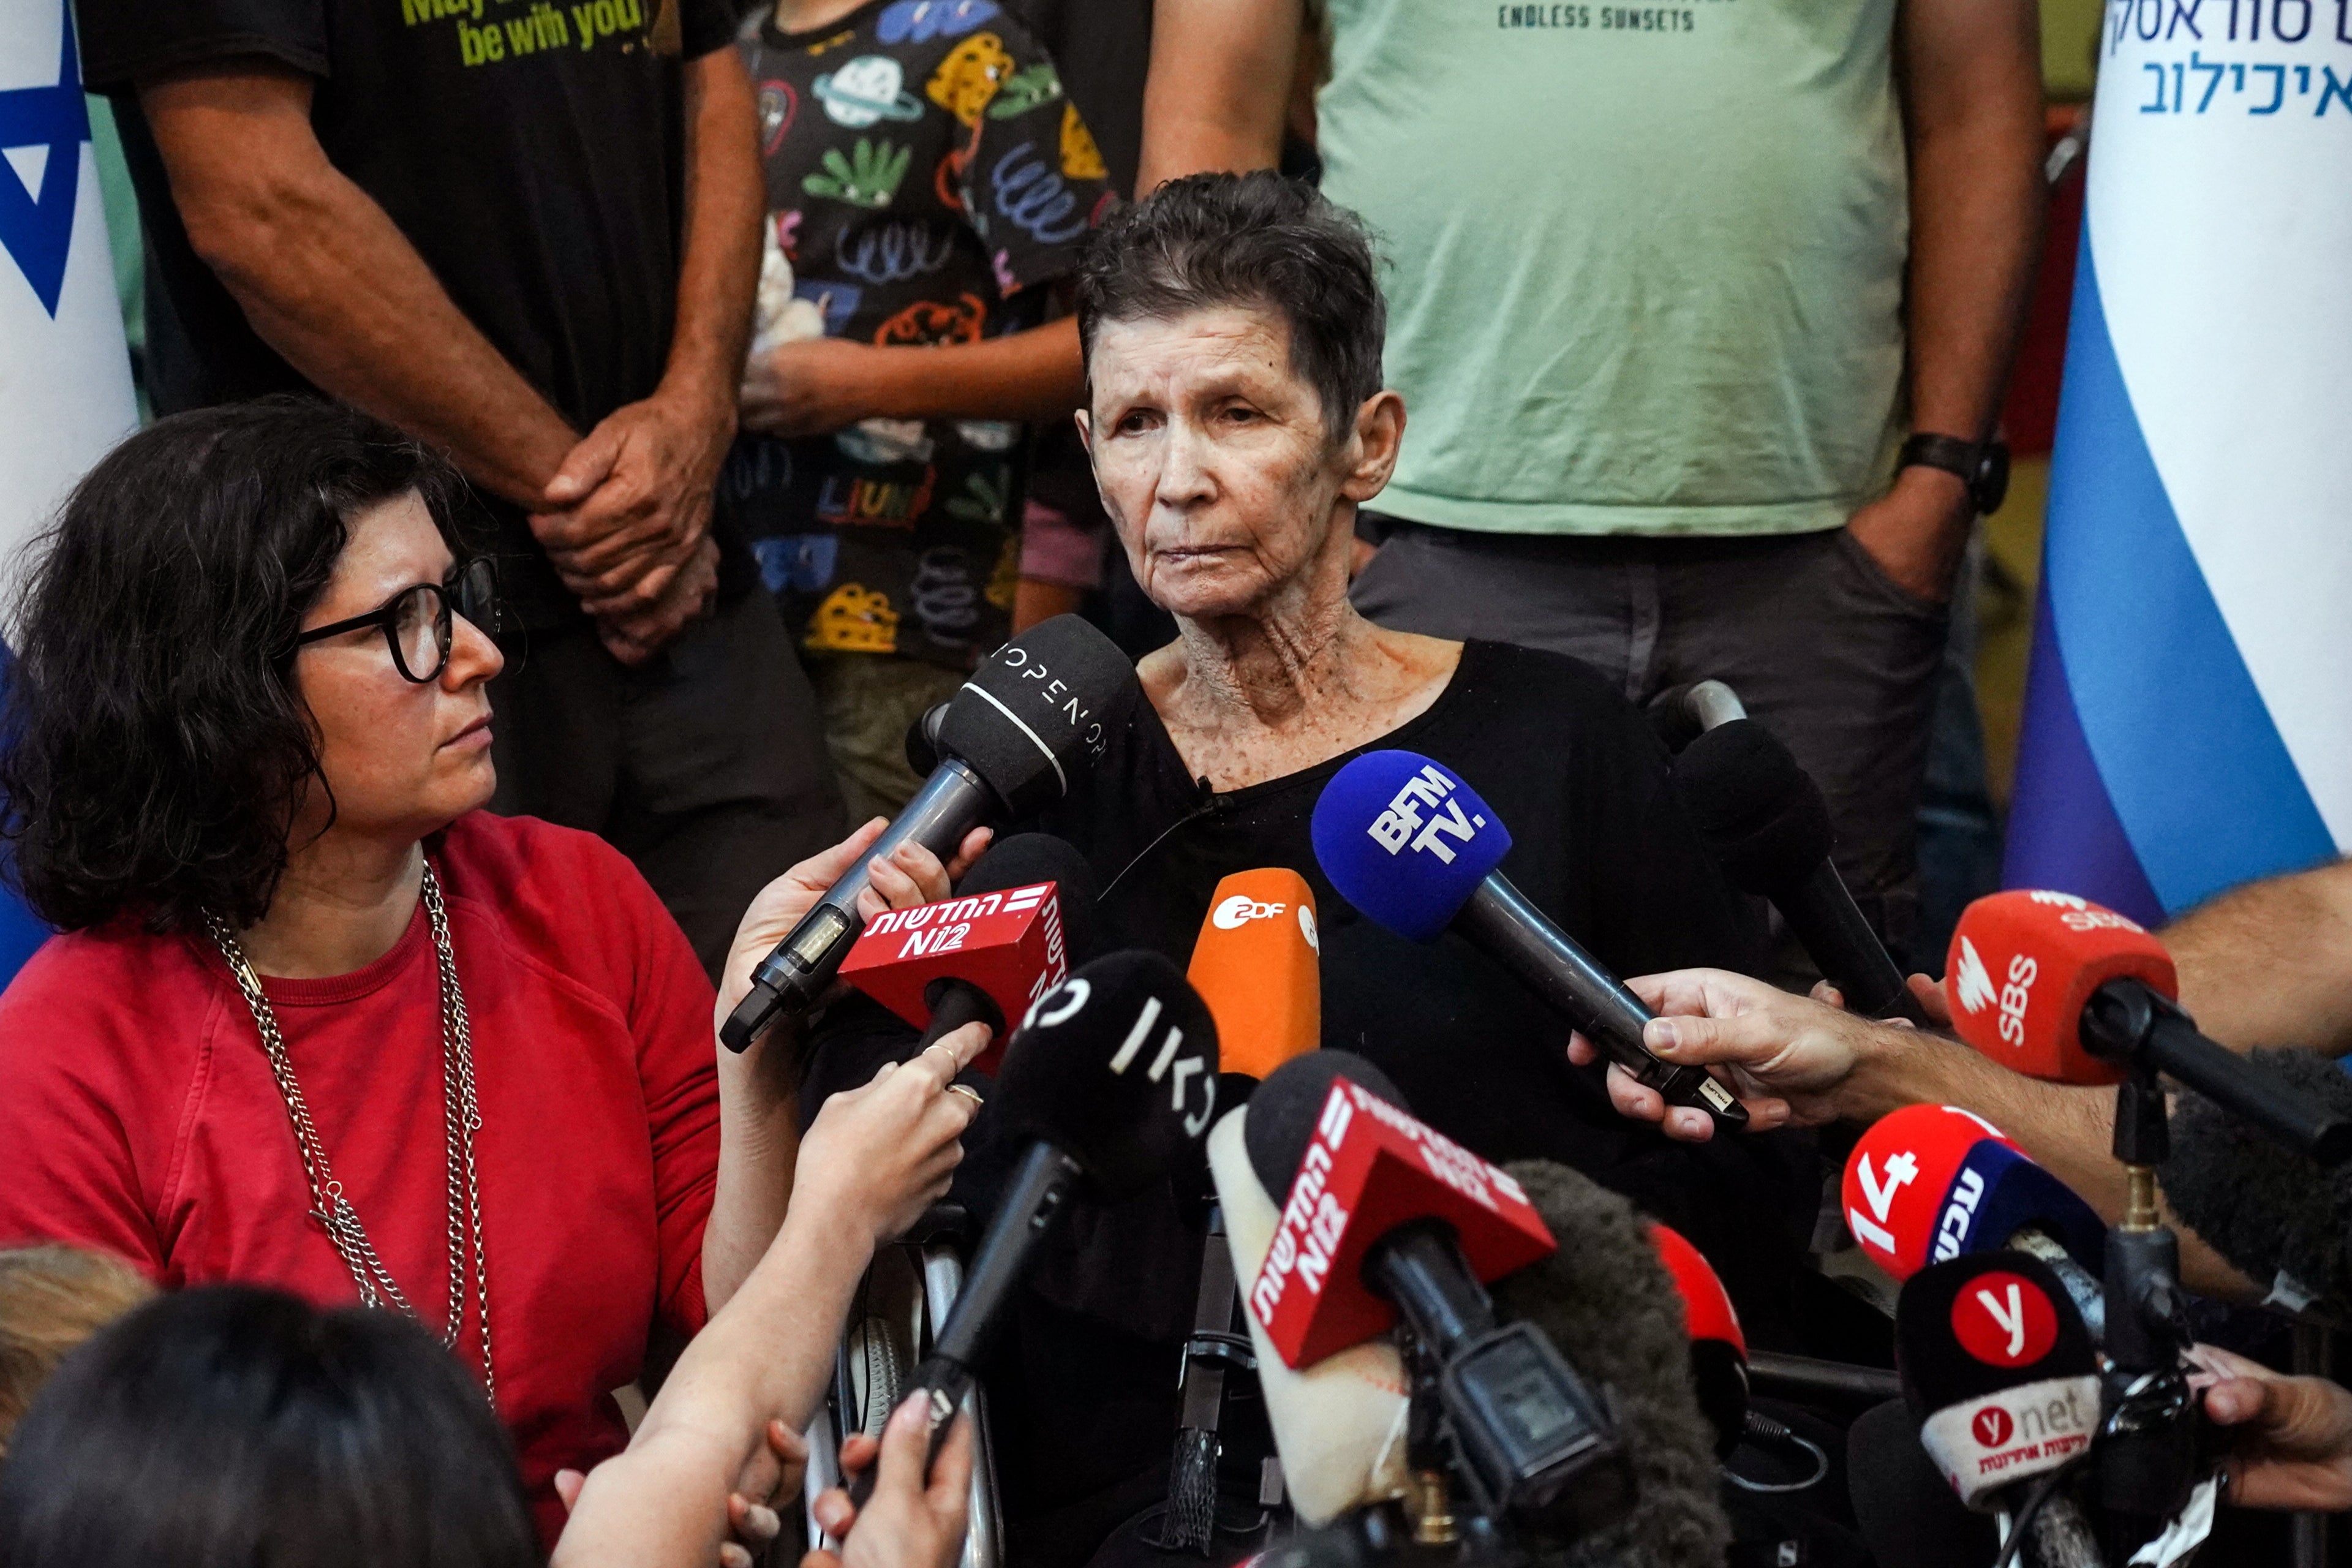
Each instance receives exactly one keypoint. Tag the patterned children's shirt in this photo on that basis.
(927, 178)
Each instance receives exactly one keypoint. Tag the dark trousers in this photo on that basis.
(1819, 644)
(705, 765)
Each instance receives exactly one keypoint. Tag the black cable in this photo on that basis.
(2041, 1494)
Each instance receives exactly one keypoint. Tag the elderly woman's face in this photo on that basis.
(1212, 458)
(402, 758)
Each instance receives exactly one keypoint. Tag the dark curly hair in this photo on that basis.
(1255, 239)
(157, 748)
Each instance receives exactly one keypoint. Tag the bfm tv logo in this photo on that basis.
(1396, 825)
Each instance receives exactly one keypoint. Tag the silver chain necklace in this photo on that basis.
(462, 1119)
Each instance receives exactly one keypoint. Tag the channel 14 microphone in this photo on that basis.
(1257, 965)
(1929, 1183)
(1339, 1424)
(2056, 988)
(2281, 1219)
(1108, 1080)
(1031, 717)
(1764, 820)
(988, 952)
(1999, 1373)
(1387, 1220)
(1415, 848)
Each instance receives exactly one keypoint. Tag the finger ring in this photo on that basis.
(969, 1093)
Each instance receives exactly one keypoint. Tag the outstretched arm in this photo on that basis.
(1220, 85)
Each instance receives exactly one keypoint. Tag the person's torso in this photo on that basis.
(923, 166)
(1647, 262)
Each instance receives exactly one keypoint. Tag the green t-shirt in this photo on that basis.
(1647, 263)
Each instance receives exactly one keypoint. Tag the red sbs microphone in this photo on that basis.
(2056, 988)
(1931, 1183)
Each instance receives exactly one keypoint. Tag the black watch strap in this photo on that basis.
(1982, 466)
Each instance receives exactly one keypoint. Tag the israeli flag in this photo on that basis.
(2189, 706)
(65, 374)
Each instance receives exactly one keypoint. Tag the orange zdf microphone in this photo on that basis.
(1005, 937)
(2056, 988)
(1389, 1222)
(1258, 966)
(1931, 1183)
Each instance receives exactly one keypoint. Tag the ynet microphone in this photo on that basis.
(1006, 936)
(1999, 1373)
(1030, 719)
(1929, 1183)
(1110, 1077)
(1387, 1219)
(1257, 965)
(1416, 849)
(1764, 820)
(2056, 988)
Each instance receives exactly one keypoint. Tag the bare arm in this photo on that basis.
(2271, 964)
(329, 280)
(1970, 72)
(1222, 72)
(821, 385)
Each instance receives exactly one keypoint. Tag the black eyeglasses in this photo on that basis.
(416, 623)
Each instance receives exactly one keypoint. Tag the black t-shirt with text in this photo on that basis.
(531, 150)
(928, 178)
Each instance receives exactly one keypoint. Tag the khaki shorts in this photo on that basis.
(866, 701)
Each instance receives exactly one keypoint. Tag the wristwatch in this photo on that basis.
(1982, 466)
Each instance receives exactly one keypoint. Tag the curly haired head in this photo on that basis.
(1254, 240)
(158, 743)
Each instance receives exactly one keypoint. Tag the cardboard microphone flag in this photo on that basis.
(65, 374)
(2185, 725)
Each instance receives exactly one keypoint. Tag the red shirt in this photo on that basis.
(138, 1114)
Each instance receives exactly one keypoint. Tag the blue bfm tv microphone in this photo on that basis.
(1416, 849)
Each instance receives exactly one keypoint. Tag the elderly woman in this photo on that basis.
(317, 1021)
(1236, 420)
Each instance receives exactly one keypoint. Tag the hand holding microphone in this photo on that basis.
(907, 1522)
(877, 1156)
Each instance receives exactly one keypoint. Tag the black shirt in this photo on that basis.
(1082, 1396)
(531, 151)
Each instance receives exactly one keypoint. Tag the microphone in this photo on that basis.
(1030, 719)
(1110, 1079)
(1718, 1348)
(1388, 1220)
(1930, 1184)
(1764, 820)
(2277, 1216)
(1256, 966)
(1681, 714)
(988, 952)
(1999, 1371)
(2056, 988)
(1416, 849)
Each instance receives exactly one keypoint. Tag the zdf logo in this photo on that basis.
(1240, 909)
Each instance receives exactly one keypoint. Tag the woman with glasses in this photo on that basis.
(315, 1020)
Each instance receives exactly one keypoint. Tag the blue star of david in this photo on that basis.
(37, 232)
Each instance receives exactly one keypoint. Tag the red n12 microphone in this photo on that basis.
(1257, 964)
(1931, 1183)
(1369, 1167)
(2056, 988)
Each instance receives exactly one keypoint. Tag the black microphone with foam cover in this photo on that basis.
(1999, 1373)
(1030, 719)
(1764, 818)
(2279, 1216)
(1110, 1080)
(1607, 1300)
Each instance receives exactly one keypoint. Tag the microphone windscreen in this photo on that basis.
(1929, 1182)
(1257, 965)
(1761, 815)
(1607, 1303)
(1116, 1066)
(2266, 1208)
(1907, 1511)
(1023, 859)
(1998, 1369)
(1037, 712)
(1405, 841)
(1339, 1424)
(1288, 1105)
(2021, 967)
